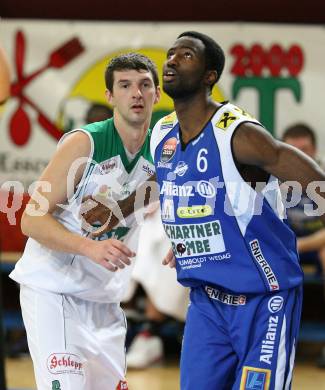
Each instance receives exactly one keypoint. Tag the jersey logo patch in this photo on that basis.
(168, 149)
(226, 120)
(122, 386)
(244, 113)
(254, 378)
(168, 121)
(56, 385)
(264, 265)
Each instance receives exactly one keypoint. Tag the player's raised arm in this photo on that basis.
(254, 146)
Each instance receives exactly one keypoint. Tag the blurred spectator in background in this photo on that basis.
(166, 300)
(303, 137)
(4, 77)
(309, 229)
(98, 112)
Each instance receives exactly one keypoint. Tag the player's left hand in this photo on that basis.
(170, 259)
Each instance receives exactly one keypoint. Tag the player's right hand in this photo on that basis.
(111, 254)
(170, 259)
(94, 210)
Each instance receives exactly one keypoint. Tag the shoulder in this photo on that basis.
(76, 140)
(228, 117)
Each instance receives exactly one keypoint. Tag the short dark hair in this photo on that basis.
(214, 55)
(130, 61)
(300, 130)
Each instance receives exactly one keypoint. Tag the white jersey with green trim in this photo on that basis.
(109, 174)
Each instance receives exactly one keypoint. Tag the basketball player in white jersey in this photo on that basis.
(71, 284)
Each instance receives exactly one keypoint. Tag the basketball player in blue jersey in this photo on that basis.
(217, 171)
(217, 167)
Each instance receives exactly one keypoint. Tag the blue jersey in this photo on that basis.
(223, 232)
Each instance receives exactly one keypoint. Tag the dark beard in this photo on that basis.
(179, 91)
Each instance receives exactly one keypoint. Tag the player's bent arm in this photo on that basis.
(44, 228)
(252, 145)
(145, 194)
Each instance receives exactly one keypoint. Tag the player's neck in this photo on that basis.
(132, 135)
(193, 114)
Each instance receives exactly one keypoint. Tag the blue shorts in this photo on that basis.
(240, 342)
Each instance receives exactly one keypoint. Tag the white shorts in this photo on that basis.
(74, 344)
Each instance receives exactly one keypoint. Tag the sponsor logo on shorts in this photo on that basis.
(275, 304)
(268, 343)
(264, 265)
(181, 168)
(122, 385)
(64, 363)
(56, 385)
(168, 150)
(194, 211)
(254, 378)
(228, 299)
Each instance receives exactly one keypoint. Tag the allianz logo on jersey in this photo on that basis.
(170, 189)
(203, 188)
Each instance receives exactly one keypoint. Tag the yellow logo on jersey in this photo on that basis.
(194, 211)
(244, 113)
(168, 120)
(255, 378)
(226, 120)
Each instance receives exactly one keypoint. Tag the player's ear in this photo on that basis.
(211, 77)
(158, 94)
(109, 96)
